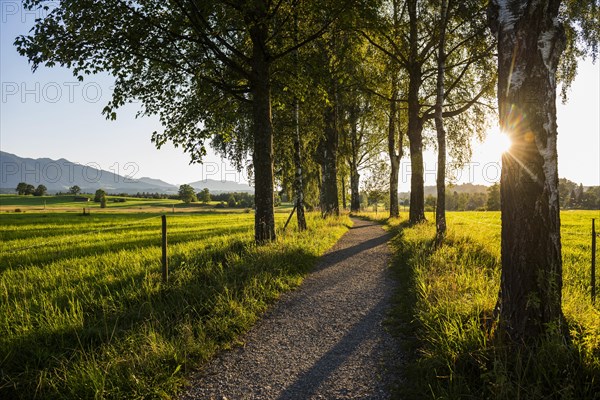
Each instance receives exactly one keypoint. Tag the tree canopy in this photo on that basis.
(302, 93)
(23, 188)
(187, 194)
(205, 68)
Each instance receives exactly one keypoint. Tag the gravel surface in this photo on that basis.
(322, 341)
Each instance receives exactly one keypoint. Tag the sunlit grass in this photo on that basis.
(87, 316)
(445, 304)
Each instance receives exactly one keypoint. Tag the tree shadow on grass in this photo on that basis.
(207, 294)
(470, 366)
(44, 255)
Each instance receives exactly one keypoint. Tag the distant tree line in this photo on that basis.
(149, 195)
(572, 196)
(25, 189)
(235, 199)
(227, 199)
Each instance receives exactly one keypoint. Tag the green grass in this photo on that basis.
(13, 200)
(51, 204)
(445, 300)
(84, 314)
(66, 203)
(8, 202)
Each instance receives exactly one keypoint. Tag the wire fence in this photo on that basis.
(164, 256)
(592, 234)
(73, 239)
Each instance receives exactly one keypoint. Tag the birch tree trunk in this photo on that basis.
(343, 181)
(329, 188)
(354, 191)
(530, 43)
(415, 122)
(440, 208)
(264, 222)
(354, 156)
(298, 181)
(394, 149)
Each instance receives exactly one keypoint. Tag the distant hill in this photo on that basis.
(60, 175)
(158, 183)
(464, 188)
(215, 186)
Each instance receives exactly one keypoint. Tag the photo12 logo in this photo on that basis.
(471, 172)
(51, 92)
(223, 172)
(14, 11)
(67, 172)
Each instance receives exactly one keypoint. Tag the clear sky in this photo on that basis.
(51, 114)
(578, 139)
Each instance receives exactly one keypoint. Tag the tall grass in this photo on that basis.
(86, 315)
(444, 311)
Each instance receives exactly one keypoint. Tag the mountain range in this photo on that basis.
(60, 175)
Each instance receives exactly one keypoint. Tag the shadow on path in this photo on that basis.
(356, 249)
(310, 381)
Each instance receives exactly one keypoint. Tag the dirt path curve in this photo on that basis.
(322, 341)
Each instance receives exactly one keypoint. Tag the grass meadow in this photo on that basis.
(115, 204)
(447, 294)
(84, 313)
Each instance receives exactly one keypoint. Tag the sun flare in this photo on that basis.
(496, 143)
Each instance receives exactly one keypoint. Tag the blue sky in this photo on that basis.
(51, 114)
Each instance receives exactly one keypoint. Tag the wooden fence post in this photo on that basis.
(165, 266)
(289, 218)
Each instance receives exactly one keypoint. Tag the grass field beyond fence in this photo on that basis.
(114, 204)
(447, 294)
(83, 312)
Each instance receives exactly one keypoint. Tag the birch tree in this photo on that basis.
(414, 48)
(531, 38)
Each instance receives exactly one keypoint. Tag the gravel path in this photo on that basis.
(322, 341)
